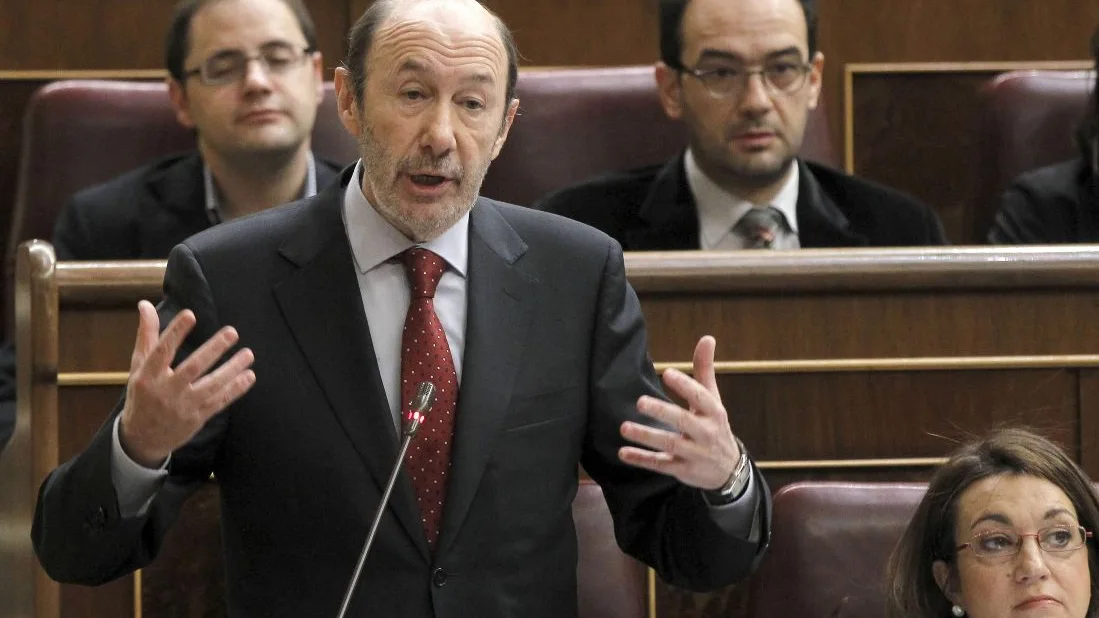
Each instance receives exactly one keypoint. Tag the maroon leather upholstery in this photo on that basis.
(830, 544)
(1029, 121)
(573, 124)
(610, 583)
(577, 123)
(80, 133)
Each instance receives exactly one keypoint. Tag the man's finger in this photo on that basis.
(214, 381)
(160, 357)
(673, 444)
(669, 414)
(148, 327)
(651, 460)
(218, 401)
(203, 358)
(698, 397)
(704, 365)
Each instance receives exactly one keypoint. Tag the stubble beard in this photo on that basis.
(425, 220)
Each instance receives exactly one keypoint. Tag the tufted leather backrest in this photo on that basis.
(830, 544)
(574, 124)
(1029, 120)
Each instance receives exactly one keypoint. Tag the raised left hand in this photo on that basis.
(700, 449)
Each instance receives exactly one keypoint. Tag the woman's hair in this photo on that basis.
(911, 588)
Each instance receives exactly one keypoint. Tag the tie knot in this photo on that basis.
(424, 269)
(760, 226)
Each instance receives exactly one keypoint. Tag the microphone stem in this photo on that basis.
(374, 526)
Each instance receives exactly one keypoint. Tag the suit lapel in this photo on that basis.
(322, 306)
(177, 208)
(668, 219)
(500, 299)
(821, 223)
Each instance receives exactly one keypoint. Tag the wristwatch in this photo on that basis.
(735, 486)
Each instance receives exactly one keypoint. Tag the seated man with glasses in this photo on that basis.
(743, 75)
(245, 76)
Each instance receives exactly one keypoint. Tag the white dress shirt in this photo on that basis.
(719, 211)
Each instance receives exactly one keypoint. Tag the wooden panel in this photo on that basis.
(784, 306)
(907, 137)
(854, 31)
(921, 324)
(574, 32)
(117, 324)
(916, 128)
(117, 34)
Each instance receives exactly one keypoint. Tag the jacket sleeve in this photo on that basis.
(658, 520)
(1018, 220)
(78, 531)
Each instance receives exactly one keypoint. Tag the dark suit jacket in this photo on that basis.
(139, 215)
(652, 209)
(555, 358)
(142, 214)
(1051, 205)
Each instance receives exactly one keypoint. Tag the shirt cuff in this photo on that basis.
(740, 517)
(134, 484)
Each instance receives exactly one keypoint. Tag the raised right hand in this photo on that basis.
(166, 407)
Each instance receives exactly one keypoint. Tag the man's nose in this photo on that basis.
(256, 76)
(438, 134)
(754, 97)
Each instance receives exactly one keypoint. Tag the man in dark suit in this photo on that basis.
(252, 110)
(1057, 203)
(743, 75)
(523, 321)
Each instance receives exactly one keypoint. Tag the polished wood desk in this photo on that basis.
(858, 364)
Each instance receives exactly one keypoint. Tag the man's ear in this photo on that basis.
(347, 103)
(670, 87)
(509, 117)
(944, 577)
(816, 79)
(181, 105)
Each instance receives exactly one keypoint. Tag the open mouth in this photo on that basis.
(428, 180)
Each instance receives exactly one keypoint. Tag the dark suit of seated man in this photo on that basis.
(1058, 203)
(341, 305)
(743, 75)
(253, 119)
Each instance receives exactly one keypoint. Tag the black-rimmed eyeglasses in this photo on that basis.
(230, 66)
(781, 77)
(1003, 543)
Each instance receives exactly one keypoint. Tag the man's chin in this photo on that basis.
(762, 171)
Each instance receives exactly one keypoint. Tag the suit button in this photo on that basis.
(438, 578)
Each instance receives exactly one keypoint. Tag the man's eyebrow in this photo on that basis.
(721, 54)
(481, 77)
(412, 65)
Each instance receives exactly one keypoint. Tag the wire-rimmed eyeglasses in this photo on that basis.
(782, 77)
(230, 66)
(1003, 543)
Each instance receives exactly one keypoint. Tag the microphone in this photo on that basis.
(421, 404)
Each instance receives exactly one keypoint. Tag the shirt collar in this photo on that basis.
(375, 241)
(213, 197)
(719, 210)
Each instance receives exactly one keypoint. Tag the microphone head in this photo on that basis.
(420, 405)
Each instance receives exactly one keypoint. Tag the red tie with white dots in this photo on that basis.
(425, 356)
